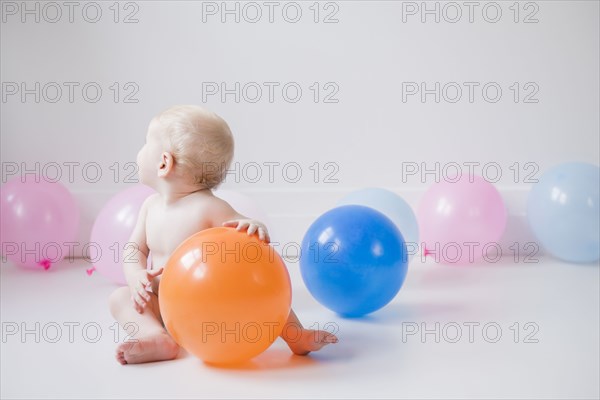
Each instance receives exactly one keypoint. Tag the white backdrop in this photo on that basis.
(384, 89)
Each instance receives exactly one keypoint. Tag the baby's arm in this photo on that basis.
(224, 215)
(135, 259)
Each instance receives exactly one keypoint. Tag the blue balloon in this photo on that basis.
(394, 207)
(353, 260)
(563, 212)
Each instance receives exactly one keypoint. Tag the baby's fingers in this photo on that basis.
(263, 235)
(143, 285)
(242, 225)
(252, 228)
(144, 294)
(138, 303)
(230, 223)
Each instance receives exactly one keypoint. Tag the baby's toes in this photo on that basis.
(326, 337)
(331, 338)
(120, 356)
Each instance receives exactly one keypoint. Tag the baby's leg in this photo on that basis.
(149, 340)
(302, 341)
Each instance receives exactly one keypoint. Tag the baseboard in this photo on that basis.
(291, 211)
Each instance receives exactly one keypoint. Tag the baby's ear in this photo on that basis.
(166, 164)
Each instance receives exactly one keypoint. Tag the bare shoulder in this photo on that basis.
(150, 201)
(217, 202)
(219, 210)
(153, 198)
(205, 204)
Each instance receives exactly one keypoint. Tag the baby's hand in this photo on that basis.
(139, 283)
(252, 225)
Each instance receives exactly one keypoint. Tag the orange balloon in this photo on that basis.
(224, 295)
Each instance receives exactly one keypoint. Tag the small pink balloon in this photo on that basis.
(39, 220)
(460, 221)
(112, 230)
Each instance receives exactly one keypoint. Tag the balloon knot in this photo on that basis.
(90, 271)
(45, 263)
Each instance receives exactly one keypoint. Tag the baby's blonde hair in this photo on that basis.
(201, 143)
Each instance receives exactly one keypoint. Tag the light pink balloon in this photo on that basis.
(38, 221)
(453, 215)
(112, 230)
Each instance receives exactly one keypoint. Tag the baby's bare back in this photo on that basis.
(167, 226)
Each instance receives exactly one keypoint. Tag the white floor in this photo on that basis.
(555, 356)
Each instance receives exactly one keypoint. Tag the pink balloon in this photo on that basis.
(461, 221)
(39, 219)
(112, 230)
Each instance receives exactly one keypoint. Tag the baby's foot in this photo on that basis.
(311, 340)
(156, 347)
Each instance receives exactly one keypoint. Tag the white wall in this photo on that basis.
(369, 135)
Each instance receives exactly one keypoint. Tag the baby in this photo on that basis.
(187, 152)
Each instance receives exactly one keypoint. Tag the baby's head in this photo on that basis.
(188, 143)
